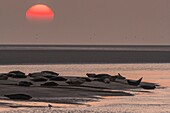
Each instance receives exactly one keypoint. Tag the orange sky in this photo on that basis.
(88, 22)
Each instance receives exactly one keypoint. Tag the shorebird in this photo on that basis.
(50, 106)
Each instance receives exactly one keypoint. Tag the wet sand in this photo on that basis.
(88, 89)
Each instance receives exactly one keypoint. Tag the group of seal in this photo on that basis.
(106, 78)
(46, 76)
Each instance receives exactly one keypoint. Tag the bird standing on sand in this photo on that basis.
(50, 106)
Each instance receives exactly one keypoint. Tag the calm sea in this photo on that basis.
(82, 54)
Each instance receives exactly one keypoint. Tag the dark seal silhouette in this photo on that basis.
(49, 84)
(50, 73)
(106, 80)
(148, 86)
(16, 74)
(3, 76)
(91, 75)
(58, 79)
(18, 97)
(39, 79)
(49, 76)
(37, 74)
(102, 76)
(135, 83)
(75, 82)
(24, 83)
(85, 79)
(46, 74)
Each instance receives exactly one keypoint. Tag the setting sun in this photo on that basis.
(39, 12)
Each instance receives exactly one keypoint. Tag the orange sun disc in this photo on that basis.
(39, 12)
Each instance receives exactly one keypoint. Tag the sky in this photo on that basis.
(113, 22)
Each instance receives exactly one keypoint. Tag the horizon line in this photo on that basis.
(84, 45)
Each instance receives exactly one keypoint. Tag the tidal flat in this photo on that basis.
(90, 97)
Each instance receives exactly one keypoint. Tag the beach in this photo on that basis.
(91, 96)
(62, 94)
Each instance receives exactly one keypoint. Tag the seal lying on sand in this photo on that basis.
(148, 86)
(3, 76)
(18, 97)
(106, 78)
(86, 79)
(50, 73)
(35, 75)
(16, 74)
(39, 79)
(102, 75)
(49, 84)
(58, 79)
(46, 74)
(24, 83)
(91, 75)
(75, 81)
(135, 83)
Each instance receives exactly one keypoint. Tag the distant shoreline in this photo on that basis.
(91, 48)
(9, 57)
